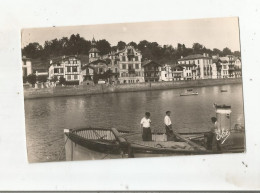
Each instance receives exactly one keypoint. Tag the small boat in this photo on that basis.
(189, 93)
(190, 89)
(223, 90)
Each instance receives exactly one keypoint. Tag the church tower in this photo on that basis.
(93, 52)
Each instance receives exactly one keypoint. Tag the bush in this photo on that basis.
(42, 78)
(62, 80)
(31, 78)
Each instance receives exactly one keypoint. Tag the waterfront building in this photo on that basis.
(203, 65)
(26, 66)
(129, 63)
(238, 64)
(151, 71)
(166, 72)
(178, 72)
(68, 67)
(99, 67)
(189, 71)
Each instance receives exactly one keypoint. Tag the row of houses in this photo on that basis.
(128, 66)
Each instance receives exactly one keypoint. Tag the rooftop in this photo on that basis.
(193, 57)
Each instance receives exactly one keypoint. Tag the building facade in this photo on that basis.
(129, 63)
(151, 71)
(203, 65)
(178, 73)
(166, 73)
(26, 66)
(68, 67)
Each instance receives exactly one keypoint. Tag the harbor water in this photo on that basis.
(46, 118)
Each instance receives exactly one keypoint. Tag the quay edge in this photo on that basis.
(32, 93)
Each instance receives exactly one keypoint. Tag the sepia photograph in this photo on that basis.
(132, 90)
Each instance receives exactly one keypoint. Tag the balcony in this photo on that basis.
(131, 71)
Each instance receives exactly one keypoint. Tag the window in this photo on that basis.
(198, 61)
(130, 66)
(136, 58)
(69, 77)
(165, 75)
(68, 69)
(74, 69)
(56, 70)
(123, 58)
(75, 77)
(124, 66)
(136, 66)
(116, 70)
(61, 70)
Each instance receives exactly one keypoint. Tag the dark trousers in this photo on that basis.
(169, 133)
(147, 134)
(212, 142)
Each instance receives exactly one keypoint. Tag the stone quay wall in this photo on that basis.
(58, 91)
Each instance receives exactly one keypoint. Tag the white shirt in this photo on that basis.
(145, 122)
(167, 120)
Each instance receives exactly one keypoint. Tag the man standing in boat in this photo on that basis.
(145, 125)
(168, 127)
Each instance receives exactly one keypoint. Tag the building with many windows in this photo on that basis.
(68, 67)
(129, 63)
(151, 71)
(203, 65)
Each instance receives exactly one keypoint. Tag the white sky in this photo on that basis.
(212, 33)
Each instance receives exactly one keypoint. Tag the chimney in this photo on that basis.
(181, 56)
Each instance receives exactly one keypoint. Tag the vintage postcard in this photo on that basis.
(132, 90)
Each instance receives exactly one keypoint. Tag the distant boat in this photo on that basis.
(189, 93)
(190, 89)
(223, 90)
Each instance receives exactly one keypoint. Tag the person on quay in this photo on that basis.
(168, 127)
(145, 125)
(212, 142)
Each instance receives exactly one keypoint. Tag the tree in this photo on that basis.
(237, 53)
(31, 78)
(62, 80)
(216, 52)
(32, 50)
(133, 44)
(42, 78)
(121, 45)
(197, 48)
(226, 51)
(54, 79)
(103, 46)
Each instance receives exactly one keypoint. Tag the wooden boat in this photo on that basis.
(113, 141)
(223, 90)
(189, 93)
(130, 144)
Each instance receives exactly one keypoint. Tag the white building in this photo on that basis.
(203, 64)
(130, 67)
(166, 73)
(27, 66)
(68, 67)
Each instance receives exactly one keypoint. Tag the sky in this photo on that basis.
(212, 33)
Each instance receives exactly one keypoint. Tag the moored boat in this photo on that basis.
(119, 143)
(189, 93)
